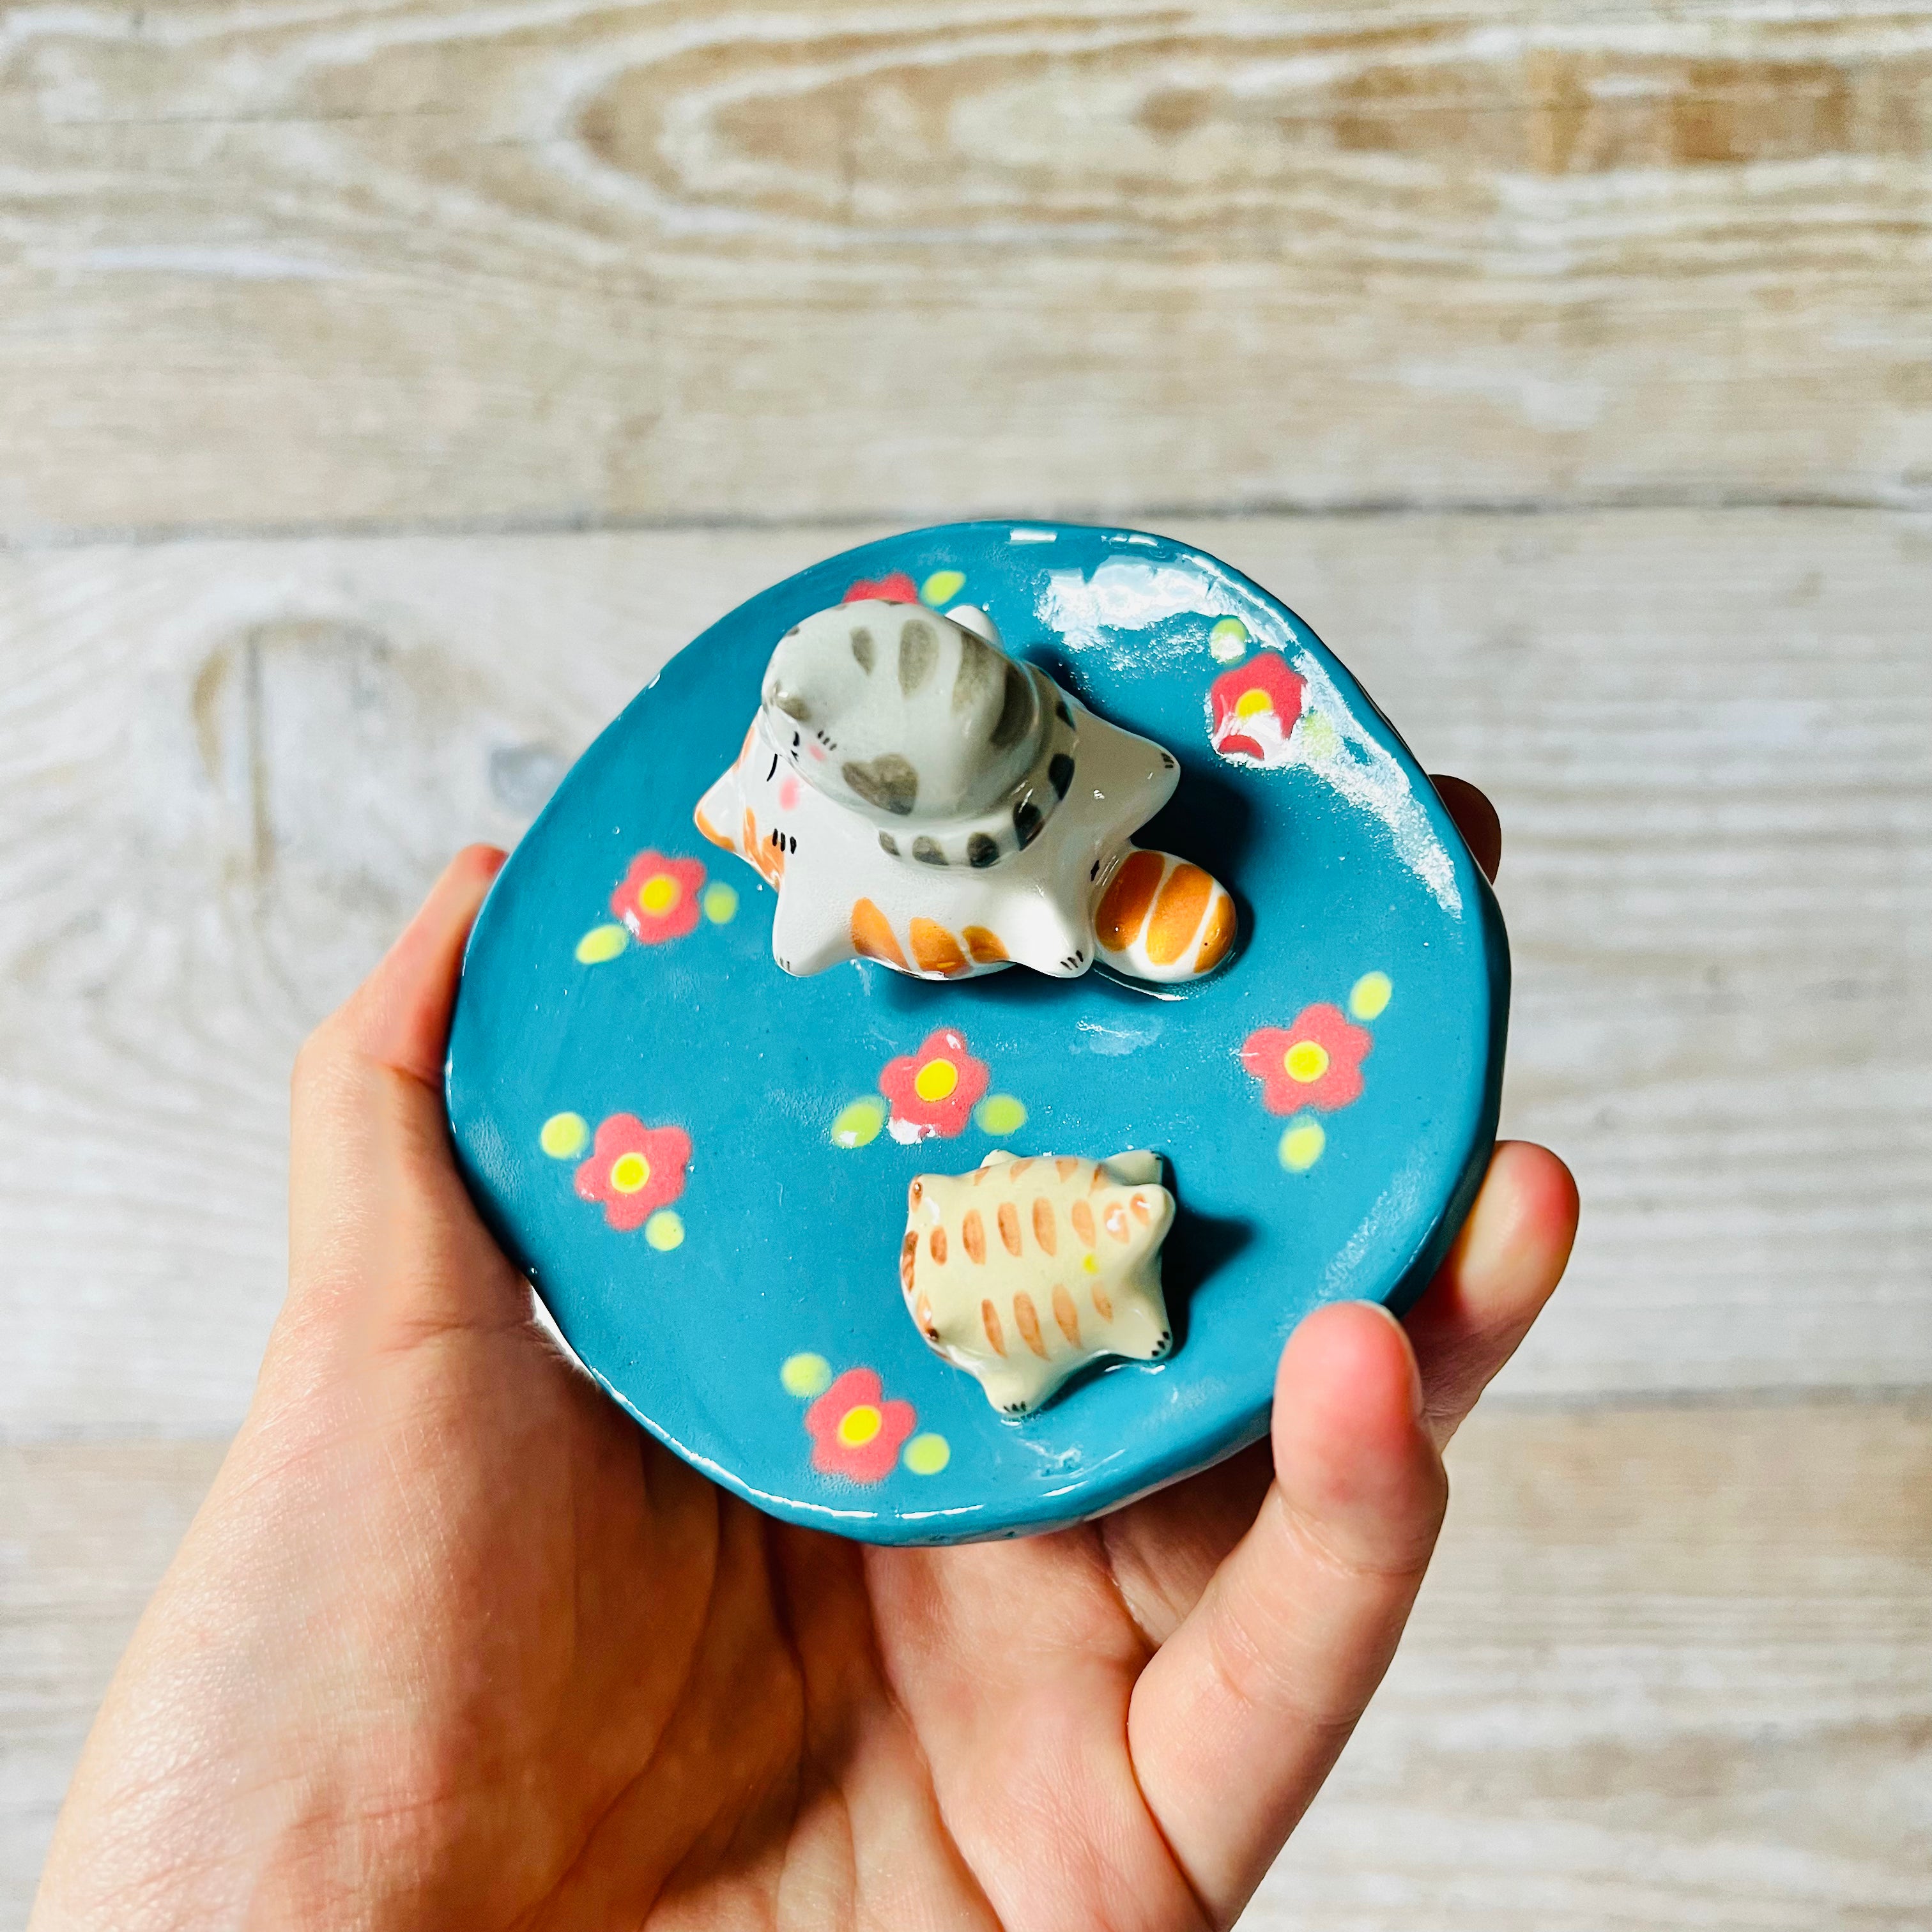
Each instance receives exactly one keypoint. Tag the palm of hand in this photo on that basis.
(457, 1646)
(946, 1727)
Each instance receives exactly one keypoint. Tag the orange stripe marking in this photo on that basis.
(1009, 1227)
(1065, 1314)
(1177, 914)
(989, 1320)
(1081, 1216)
(972, 1233)
(936, 1241)
(985, 947)
(1103, 1306)
(872, 935)
(1043, 1230)
(1218, 935)
(1024, 1314)
(1124, 908)
(934, 949)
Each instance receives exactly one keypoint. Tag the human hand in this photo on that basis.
(453, 1643)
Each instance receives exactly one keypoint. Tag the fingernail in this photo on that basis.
(1416, 1402)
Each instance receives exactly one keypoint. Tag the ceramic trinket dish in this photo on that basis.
(827, 1197)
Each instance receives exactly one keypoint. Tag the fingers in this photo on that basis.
(1505, 1266)
(378, 1219)
(1475, 818)
(399, 1016)
(1237, 1718)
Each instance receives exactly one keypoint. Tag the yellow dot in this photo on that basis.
(720, 903)
(563, 1135)
(1251, 702)
(942, 586)
(1228, 641)
(805, 1375)
(600, 943)
(859, 1424)
(629, 1172)
(1306, 1061)
(1301, 1146)
(927, 1455)
(858, 1124)
(1091, 1264)
(935, 1080)
(1369, 998)
(658, 894)
(1000, 1114)
(664, 1230)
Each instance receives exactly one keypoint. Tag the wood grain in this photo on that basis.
(85, 1532)
(228, 771)
(1672, 1668)
(1672, 1672)
(332, 264)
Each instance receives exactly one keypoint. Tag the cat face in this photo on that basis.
(901, 713)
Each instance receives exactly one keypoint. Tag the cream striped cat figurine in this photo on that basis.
(1024, 1270)
(916, 797)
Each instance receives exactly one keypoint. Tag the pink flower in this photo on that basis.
(634, 1169)
(934, 1090)
(896, 588)
(658, 898)
(1252, 708)
(855, 1432)
(1316, 1062)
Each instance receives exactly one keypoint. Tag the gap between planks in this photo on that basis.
(856, 525)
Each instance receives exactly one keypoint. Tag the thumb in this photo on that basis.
(1235, 1722)
(383, 1242)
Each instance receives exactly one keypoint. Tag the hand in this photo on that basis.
(453, 1643)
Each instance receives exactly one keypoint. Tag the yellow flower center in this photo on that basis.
(629, 1172)
(935, 1080)
(658, 894)
(1306, 1061)
(859, 1424)
(1249, 702)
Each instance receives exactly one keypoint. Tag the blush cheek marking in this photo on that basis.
(788, 793)
(818, 751)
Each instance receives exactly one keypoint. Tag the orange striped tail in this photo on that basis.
(1162, 918)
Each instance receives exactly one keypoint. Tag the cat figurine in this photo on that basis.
(1024, 1270)
(916, 796)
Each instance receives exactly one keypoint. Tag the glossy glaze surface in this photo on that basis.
(704, 1163)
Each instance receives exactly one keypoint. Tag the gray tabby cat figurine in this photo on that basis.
(916, 796)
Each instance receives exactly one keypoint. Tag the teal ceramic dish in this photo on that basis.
(703, 1163)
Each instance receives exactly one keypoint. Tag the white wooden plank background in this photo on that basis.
(428, 261)
(384, 389)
